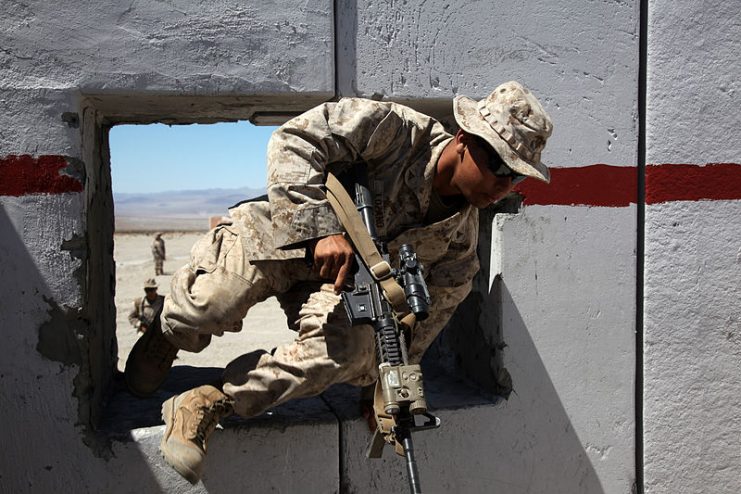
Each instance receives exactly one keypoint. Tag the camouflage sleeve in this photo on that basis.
(134, 316)
(449, 282)
(300, 152)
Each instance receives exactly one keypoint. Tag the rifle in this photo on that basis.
(389, 300)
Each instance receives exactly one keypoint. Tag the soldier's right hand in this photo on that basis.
(333, 258)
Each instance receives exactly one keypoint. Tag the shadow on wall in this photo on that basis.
(527, 442)
(533, 427)
(40, 377)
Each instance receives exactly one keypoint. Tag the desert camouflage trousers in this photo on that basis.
(213, 293)
(158, 266)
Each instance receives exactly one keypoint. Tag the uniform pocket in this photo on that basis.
(211, 249)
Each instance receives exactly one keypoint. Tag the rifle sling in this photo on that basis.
(347, 213)
(385, 424)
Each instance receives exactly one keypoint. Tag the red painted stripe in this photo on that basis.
(595, 185)
(676, 182)
(24, 174)
(616, 186)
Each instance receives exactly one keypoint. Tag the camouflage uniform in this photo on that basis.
(144, 312)
(158, 252)
(261, 252)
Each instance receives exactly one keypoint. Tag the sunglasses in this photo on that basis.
(497, 165)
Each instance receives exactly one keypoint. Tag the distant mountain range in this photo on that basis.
(181, 203)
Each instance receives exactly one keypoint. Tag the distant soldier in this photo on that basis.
(158, 251)
(146, 308)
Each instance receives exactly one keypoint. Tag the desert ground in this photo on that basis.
(264, 327)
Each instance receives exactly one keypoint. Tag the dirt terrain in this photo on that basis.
(264, 327)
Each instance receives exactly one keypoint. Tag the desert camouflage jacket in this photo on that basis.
(158, 248)
(401, 148)
(144, 311)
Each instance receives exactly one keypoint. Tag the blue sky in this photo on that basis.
(157, 157)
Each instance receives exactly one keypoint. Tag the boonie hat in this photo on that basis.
(150, 283)
(512, 121)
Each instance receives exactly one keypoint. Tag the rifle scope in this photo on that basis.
(415, 288)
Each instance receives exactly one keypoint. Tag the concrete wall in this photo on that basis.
(692, 340)
(553, 317)
(559, 288)
(66, 74)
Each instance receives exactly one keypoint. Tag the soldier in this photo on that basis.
(158, 252)
(427, 186)
(147, 308)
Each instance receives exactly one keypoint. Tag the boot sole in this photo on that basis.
(168, 410)
(137, 388)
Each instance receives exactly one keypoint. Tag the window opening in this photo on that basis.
(178, 181)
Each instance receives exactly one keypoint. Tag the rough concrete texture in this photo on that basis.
(692, 264)
(564, 309)
(261, 457)
(692, 348)
(65, 73)
(40, 295)
(256, 455)
(224, 47)
(569, 336)
(31, 121)
(692, 100)
(449, 458)
(581, 62)
(524, 444)
(560, 301)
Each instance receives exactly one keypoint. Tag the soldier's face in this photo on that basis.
(475, 179)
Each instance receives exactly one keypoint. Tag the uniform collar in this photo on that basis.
(423, 184)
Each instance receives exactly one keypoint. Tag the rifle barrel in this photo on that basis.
(413, 475)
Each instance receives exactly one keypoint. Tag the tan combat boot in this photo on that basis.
(190, 418)
(149, 361)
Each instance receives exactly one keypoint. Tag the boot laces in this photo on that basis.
(209, 416)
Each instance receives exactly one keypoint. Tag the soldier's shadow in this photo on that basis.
(125, 411)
